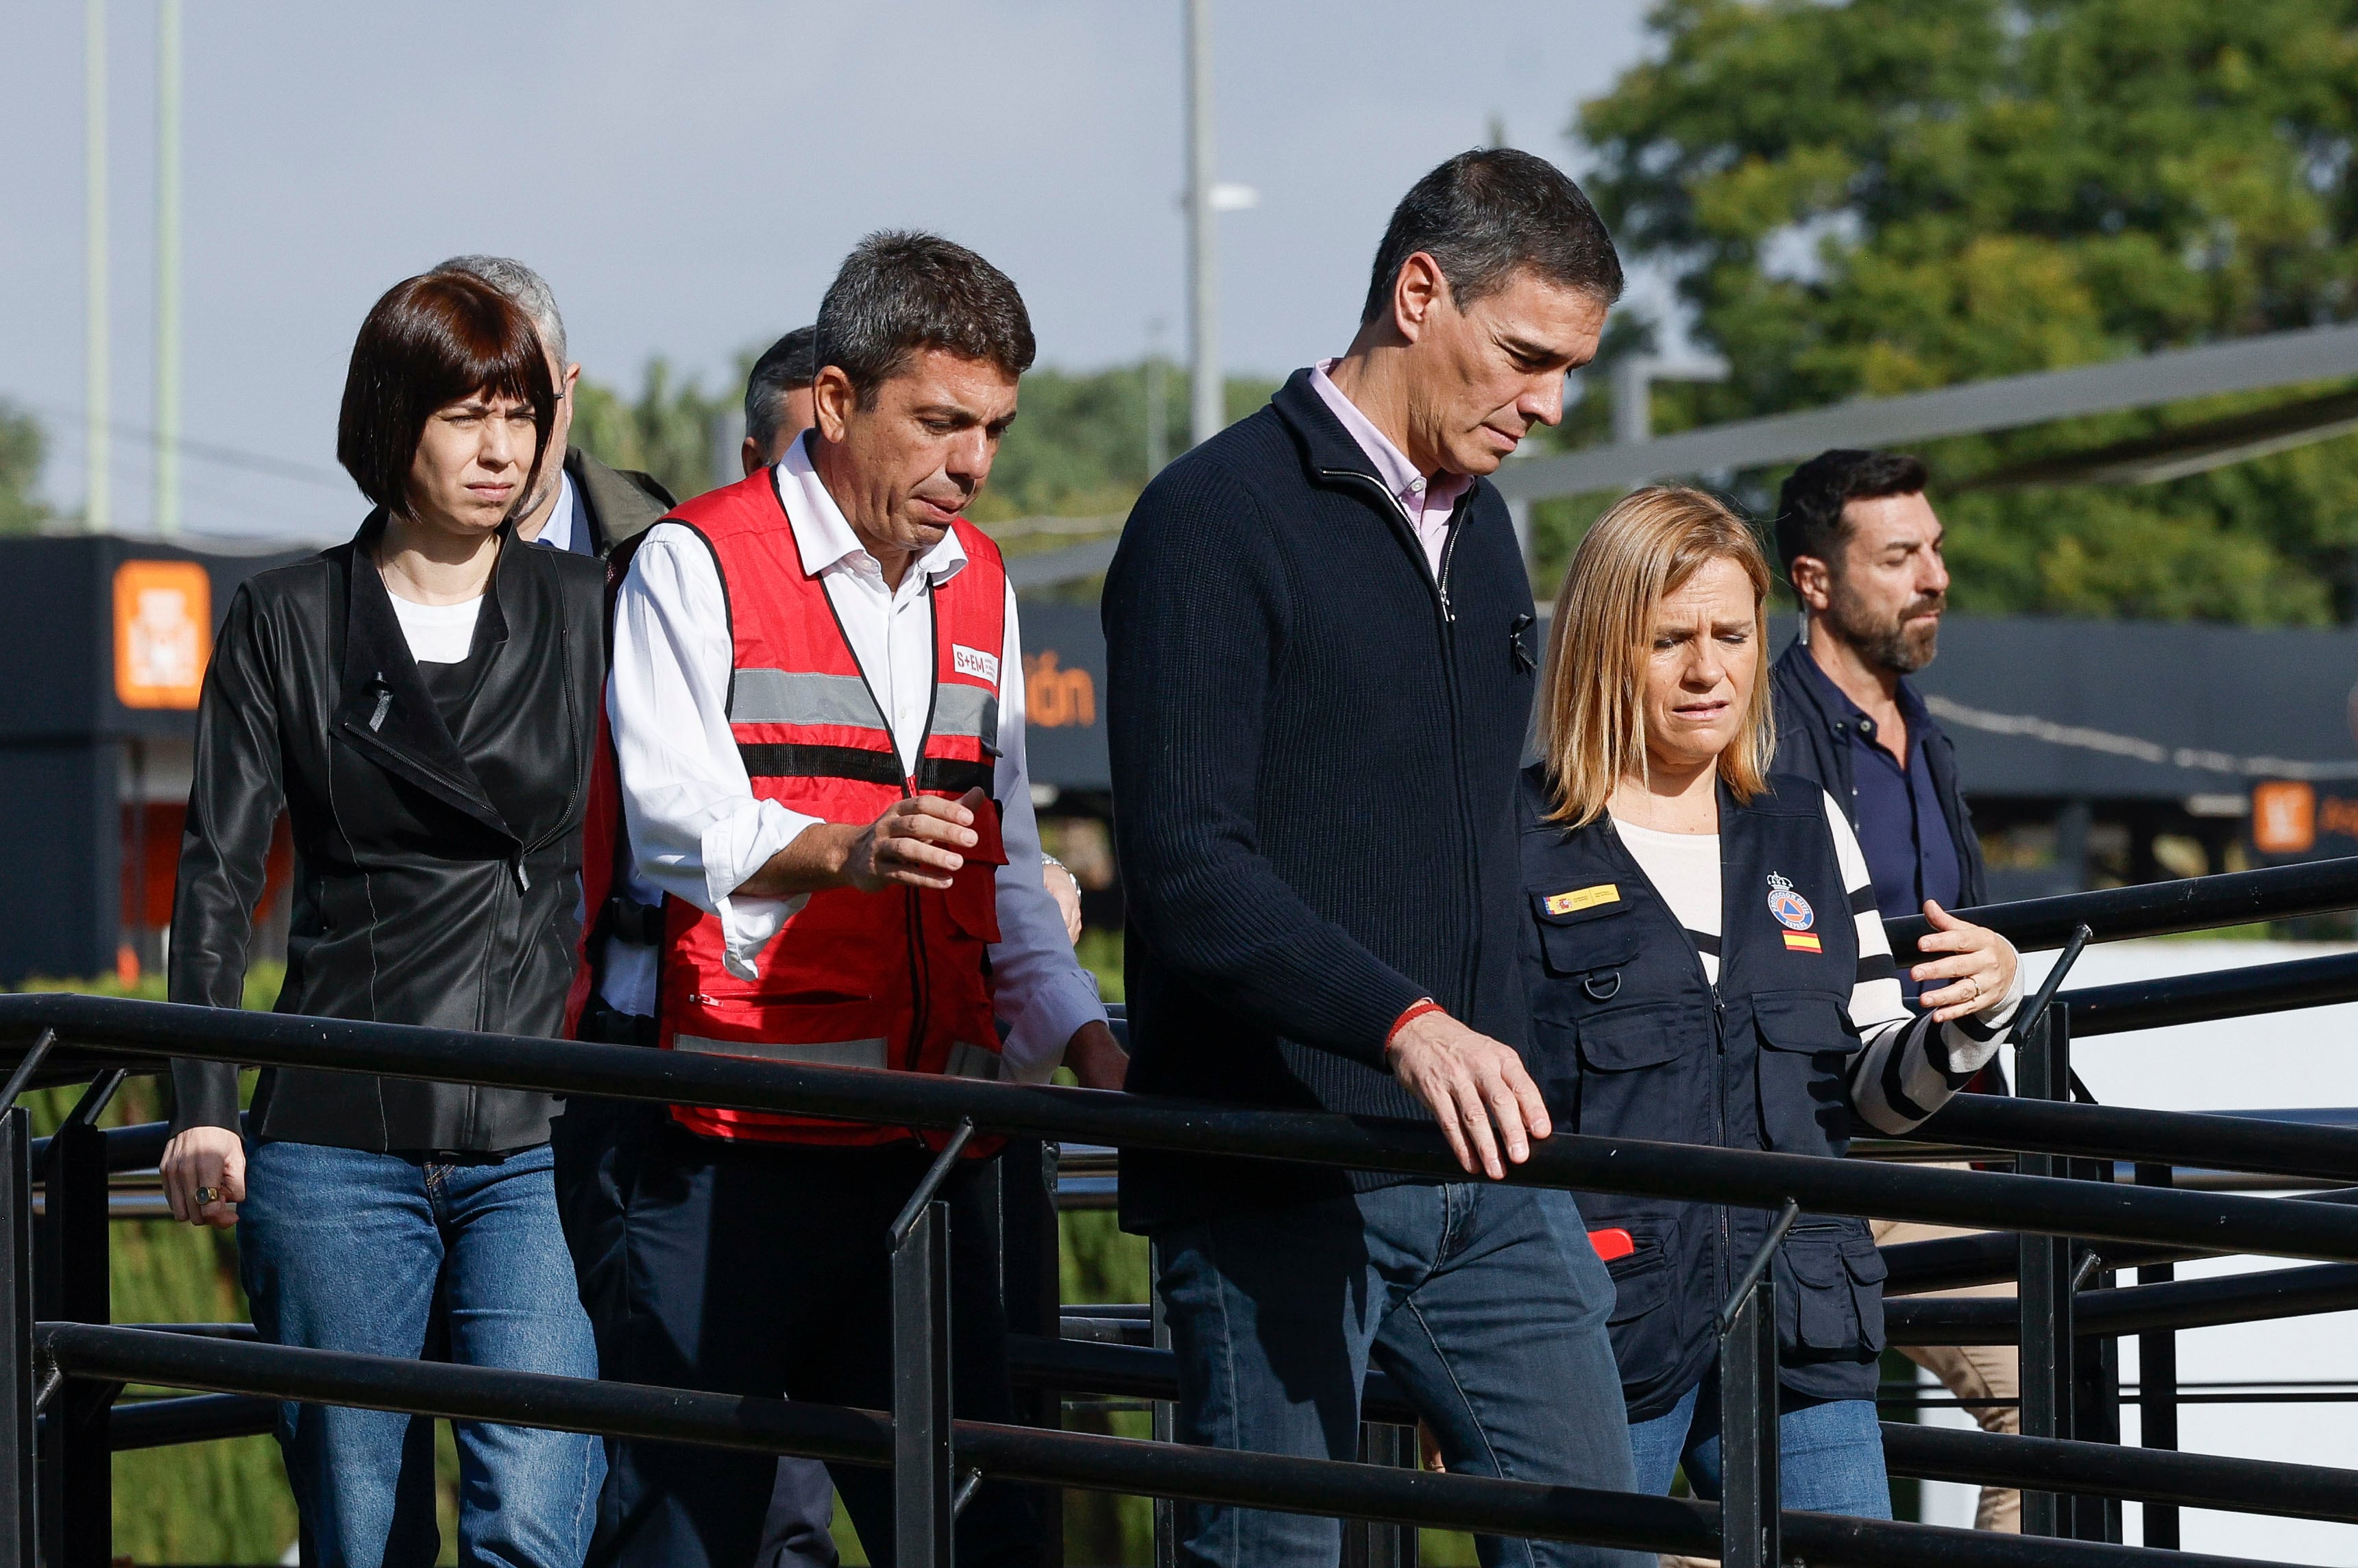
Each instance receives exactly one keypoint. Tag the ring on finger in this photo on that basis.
(208, 1196)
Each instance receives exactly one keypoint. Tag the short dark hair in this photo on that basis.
(901, 292)
(1486, 214)
(1810, 507)
(429, 341)
(790, 362)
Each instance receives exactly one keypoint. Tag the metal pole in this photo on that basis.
(98, 514)
(76, 1462)
(922, 1494)
(1166, 1425)
(1748, 1521)
(924, 1499)
(167, 266)
(1206, 390)
(2045, 1293)
(18, 1519)
(2158, 1384)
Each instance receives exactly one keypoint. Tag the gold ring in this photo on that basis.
(208, 1196)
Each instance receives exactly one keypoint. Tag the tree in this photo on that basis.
(670, 432)
(1882, 196)
(22, 449)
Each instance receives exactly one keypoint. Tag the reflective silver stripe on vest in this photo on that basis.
(967, 711)
(798, 696)
(973, 1062)
(823, 1053)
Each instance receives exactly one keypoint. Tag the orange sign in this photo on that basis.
(2284, 819)
(163, 633)
(1053, 697)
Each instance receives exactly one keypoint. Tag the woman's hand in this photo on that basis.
(1979, 969)
(205, 1176)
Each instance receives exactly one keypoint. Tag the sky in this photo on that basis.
(689, 176)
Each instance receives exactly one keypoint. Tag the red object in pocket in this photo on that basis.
(1612, 1244)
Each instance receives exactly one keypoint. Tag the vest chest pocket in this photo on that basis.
(1830, 1294)
(1587, 932)
(1805, 1043)
(1637, 1072)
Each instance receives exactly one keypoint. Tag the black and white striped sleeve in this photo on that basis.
(1907, 1066)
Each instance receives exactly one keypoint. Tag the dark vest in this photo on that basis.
(1629, 1041)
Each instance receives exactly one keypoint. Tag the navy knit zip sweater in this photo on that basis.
(1314, 748)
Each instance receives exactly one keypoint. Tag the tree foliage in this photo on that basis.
(1077, 448)
(1883, 196)
(670, 431)
(22, 448)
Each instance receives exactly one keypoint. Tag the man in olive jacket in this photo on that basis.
(582, 505)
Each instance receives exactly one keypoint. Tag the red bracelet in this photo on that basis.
(1415, 1010)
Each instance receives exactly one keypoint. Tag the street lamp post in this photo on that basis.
(167, 266)
(97, 511)
(1202, 282)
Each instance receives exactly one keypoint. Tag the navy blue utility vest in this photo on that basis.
(1630, 1041)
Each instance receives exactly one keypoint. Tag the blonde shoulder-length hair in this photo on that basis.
(1592, 695)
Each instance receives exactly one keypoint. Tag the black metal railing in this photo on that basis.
(63, 1366)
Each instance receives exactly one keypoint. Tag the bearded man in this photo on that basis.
(1862, 549)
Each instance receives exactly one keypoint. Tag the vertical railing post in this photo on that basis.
(1367, 1544)
(2158, 1383)
(1165, 1418)
(924, 1506)
(1749, 1536)
(76, 1461)
(17, 1517)
(2045, 1292)
(1031, 1283)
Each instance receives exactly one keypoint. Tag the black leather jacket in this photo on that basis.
(436, 877)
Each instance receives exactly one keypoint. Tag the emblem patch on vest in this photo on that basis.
(1581, 898)
(1801, 942)
(974, 661)
(1791, 910)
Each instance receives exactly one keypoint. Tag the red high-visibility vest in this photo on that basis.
(892, 979)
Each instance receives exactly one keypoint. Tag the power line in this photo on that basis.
(204, 451)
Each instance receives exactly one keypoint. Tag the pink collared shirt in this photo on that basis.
(1426, 503)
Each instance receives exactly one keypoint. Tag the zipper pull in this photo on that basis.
(384, 702)
(524, 878)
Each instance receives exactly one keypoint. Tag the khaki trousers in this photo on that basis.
(1971, 1372)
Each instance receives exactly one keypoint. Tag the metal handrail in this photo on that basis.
(2165, 1001)
(2157, 909)
(2034, 1205)
(1329, 1487)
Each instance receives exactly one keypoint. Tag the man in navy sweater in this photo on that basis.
(1320, 649)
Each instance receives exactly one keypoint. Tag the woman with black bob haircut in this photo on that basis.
(1706, 965)
(422, 704)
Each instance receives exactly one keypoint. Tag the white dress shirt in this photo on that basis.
(697, 831)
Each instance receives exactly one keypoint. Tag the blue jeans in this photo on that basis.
(1485, 1304)
(1828, 1452)
(345, 1249)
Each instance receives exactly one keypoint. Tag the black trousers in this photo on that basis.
(747, 1268)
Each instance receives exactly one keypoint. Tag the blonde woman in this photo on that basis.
(1706, 965)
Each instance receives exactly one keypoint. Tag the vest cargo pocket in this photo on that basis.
(1644, 1072)
(1829, 1294)
(1805, 1047)
(1647, 1321)
(1592, 938)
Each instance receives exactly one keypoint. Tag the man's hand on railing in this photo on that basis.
(1468, 1081)
(205, 1176)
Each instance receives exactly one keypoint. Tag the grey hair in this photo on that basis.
(526, 287)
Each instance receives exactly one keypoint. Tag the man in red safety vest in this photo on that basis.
(817, 845)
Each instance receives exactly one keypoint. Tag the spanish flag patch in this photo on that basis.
(1579, 899)
(1802, 942)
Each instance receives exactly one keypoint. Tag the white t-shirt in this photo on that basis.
(438, 633)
